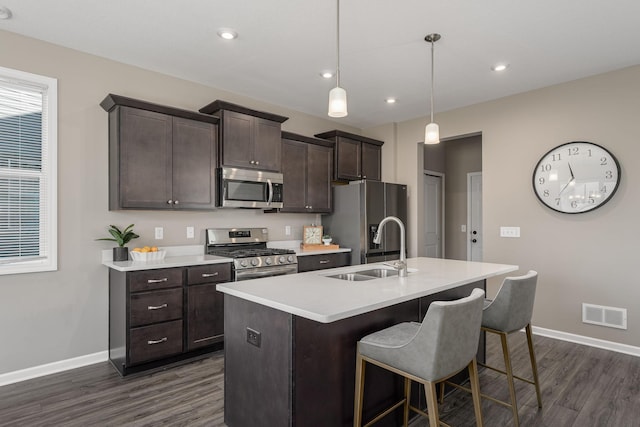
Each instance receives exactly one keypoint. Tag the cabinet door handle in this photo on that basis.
(257, 162)
(161, 340)
(252, 162)
(169, 201)
(157, 280)
(324, 261)
(157, 307)
(209, 274)
(176, 202)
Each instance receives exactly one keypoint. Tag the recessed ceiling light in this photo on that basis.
(227, 33)
(500, 67)
(326, 74)
(390, 100)
(5, 13)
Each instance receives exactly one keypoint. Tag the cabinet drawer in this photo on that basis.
(148, 280)
(154, 307)
(209, 273)
(321, 262)
(155, 341)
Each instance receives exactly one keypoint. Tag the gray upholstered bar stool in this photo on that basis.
(509, 312)
(442, 345)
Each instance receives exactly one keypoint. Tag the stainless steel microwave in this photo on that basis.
(246, 188)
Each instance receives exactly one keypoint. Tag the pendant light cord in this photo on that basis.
(338, 44)
(432, 41)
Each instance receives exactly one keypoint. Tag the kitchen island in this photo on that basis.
(290, 340)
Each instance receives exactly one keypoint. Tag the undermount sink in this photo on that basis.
(352, 277)
(379, 272)
(370, 274)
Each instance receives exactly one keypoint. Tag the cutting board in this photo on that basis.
(320, 247)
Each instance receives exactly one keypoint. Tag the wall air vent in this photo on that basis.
(612, 317)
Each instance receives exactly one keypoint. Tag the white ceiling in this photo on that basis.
(283, 45)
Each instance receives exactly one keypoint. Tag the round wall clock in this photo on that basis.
(576, 177)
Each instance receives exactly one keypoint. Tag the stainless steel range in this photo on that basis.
(251, 257)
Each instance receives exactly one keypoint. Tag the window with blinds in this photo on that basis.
(28, 129)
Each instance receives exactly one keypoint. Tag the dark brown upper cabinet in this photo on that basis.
(355, 157)
(307, 167)
(249, 139)
(160, 157)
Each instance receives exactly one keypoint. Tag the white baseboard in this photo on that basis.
(103, 356)
(592, 342)
(52, 368)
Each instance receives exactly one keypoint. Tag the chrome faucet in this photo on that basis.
(401, 264)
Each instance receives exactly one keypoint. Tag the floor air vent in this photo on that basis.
(612, 317)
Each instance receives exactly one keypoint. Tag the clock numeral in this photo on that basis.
(541, 181)
(589, 151)
(545, 168)
(573, 151)
(545, 193)
(608, 174)
(603, 189)
(557, 201)
(574, 204)
(603, 161)
(556, 157)
(592, 201)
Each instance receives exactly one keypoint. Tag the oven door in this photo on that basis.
(258, 272)
(241, 188)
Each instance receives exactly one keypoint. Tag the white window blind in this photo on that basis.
(28, 145)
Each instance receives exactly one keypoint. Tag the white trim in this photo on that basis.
(440, 175)
(103, 356)
(53, 368)
(591, 342)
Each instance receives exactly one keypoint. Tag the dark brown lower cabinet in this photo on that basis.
(323, 261)
(166, 315)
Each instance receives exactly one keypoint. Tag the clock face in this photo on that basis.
(576, 177)
(312, 235)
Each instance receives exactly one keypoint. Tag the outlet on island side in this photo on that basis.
(159, 233)
(254, 337)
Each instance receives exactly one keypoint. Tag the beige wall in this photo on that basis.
(580, 258)
(48, 317)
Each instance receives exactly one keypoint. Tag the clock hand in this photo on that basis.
(571, 171)
(566, 185)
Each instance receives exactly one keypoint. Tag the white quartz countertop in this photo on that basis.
(167, 262)
(315, 296)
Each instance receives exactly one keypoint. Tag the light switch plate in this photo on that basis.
(509, 231)
(159, 233)
(190, 233)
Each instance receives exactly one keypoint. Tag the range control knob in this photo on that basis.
(290, 258)
(254, 261)
(243, 263)
(282, 260)
(268, 261)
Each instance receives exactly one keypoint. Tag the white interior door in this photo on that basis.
(433, 216)
(474, 216)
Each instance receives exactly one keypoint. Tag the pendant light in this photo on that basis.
(338, 96)
(432, 130)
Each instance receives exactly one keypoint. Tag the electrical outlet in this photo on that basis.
(254, 337)
(190, 233)
(509, 231)
(287, 230)
(159, 233)
(463, 228)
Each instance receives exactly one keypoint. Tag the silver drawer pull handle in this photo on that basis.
(151, 342)
(209, 274)
(324, 261)
(157, 280)
(157, 307)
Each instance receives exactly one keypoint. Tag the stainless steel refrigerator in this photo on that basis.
(358, 208)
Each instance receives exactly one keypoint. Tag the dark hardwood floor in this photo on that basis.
(581, 386)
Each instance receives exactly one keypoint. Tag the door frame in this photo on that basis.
(470, 175)
(442, 211)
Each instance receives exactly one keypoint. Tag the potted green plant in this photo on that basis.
(121, 237)
(326, 239)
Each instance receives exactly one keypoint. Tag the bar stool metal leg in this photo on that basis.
(534, 366)
(509, 370)
(357, 406)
